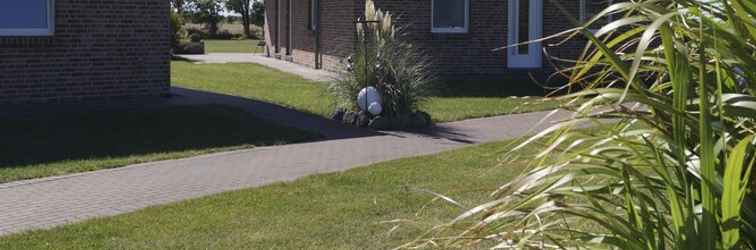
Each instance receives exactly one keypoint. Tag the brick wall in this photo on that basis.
(101, 49)
(304, 38)
(471, 53)
(454, 55)
(336, 32)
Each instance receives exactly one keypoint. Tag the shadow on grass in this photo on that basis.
(94, 135)
(302, 119)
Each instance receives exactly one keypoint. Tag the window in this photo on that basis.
(312, 23)
(27, 18)
(591, 8)
(450, 16)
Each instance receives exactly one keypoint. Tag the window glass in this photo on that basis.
(591, 8)
(24, 14)
(450, 15)
(523, 28)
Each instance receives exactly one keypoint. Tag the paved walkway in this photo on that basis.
(303, 71)
(49, 202)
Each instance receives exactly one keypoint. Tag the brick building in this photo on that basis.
(459, 35)
(74, 50)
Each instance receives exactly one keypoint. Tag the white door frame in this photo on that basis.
(534, 57)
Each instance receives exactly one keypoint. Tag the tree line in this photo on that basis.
(210, 12)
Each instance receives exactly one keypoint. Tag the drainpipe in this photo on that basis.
(318, 59)
(278, 26)
(290, 41)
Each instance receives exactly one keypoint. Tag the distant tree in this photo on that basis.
(243, 8)
(258, 13)
(208, 12)
(232, 19)
(179, 6)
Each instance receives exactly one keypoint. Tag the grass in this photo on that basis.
(455, 101)
(447, 109)
(232, 46)
(255, 82)
(71, 143)
(461, 100)
(331, 211)
(233, 28)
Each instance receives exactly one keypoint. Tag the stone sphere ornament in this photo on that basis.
(367, 97)
(375, 108)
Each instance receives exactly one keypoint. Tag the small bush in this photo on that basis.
(223, 35)
(177, 31)
(195, 37)
(190, 48)
(194, 30)
(256, 32)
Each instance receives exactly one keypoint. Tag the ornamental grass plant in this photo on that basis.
(385, 60)
(676, 82)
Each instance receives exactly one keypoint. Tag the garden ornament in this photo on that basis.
(370, 100)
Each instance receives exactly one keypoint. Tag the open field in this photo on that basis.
(234, 28)
(233, 46)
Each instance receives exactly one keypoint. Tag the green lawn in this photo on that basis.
(232, 46)
(331, 211)
(255, 82)
(446, 109)
(71, 143)
(455, 101)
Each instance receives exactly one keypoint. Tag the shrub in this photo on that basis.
(223, 35)
(195, 30)
(195, 37)
(256, 32)
(396, 68)
(177, 31)
(672, 171)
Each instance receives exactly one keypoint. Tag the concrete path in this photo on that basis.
(293, 68)
(49, 202)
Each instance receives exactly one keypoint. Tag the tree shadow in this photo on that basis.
(124, 132)
(329, 129)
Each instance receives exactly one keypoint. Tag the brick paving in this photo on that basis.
(54, 201)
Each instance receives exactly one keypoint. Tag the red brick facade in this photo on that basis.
(454, 55)
(336, 32)
(101, 49)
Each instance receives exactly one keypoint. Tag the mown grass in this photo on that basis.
(232, 46)
(71, 143)
(347, 210)
(255, 82)
(454, 101)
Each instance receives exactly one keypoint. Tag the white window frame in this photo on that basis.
(534, 58)
(450, 30)
(49, 31)
(584, 17)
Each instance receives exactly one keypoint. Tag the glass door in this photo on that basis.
(525, 24)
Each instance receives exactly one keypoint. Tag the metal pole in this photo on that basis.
(365, 58)
(365, 55)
